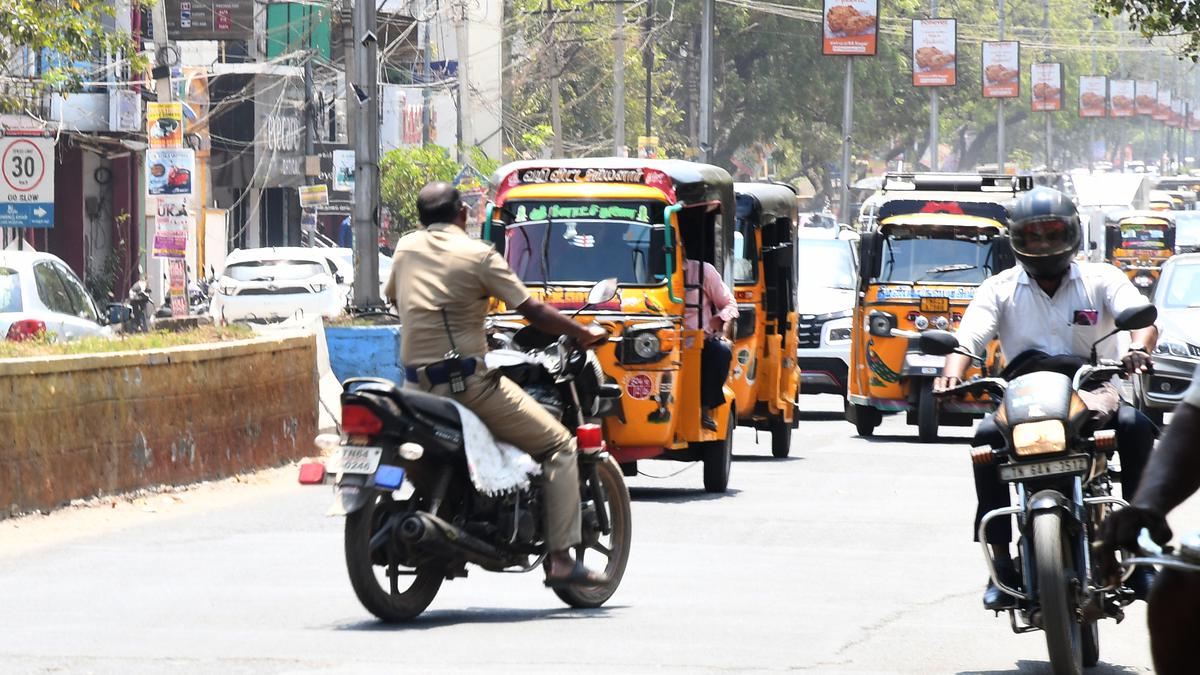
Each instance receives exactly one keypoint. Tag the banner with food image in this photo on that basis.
(1001, 69)
(1045, 81)
(1147, 96)
(1121, 98)
(1163, 110)
(164, 125)
(850, 27)
(1093, 96)
(934, 52)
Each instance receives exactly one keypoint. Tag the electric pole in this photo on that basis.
(1001, 155)
(933, 108)
(461, 39)
(427, 84)
(707, 35)
(619, 148)
(1049, 121)
(648, 64)
(366, 157)
(847, 134)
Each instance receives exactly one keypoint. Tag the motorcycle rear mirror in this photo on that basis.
(938, 342)
(603, 291)
(1135, 318)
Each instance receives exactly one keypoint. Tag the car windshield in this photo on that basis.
(1183, 287)
(1143, 237)
(580, 242)
(960, 260)
(10, 290)
(824, 263)
(1187, 228)
(274, 270)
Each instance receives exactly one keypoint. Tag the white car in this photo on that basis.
(277, 284)
(827, 273)
(40, 294)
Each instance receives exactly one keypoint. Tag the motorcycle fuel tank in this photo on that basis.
(1038, 396)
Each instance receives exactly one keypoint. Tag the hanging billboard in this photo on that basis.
(1001, 69)
(209, 19)
(1121, 98)
(850, 27)
(1045, 80)
(1162, 111)
(1146, 96)
(934, 52)
(1093, 95)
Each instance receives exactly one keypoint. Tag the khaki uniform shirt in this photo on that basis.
(442, 268)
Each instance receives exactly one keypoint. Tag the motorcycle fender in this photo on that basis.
(350, 495)
(1053, 500)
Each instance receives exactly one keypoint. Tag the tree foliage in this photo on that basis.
(1160, 18)
(404, 171)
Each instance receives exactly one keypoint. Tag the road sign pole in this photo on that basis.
(847, 131)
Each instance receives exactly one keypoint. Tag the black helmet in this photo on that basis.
(1045, 232)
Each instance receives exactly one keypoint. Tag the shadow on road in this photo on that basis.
(478, 615)
(765, 458)
(1024, 666)
(900, 438)
(820, 415)
(671, 495)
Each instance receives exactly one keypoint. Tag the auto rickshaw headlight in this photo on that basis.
(646, 345)
(880, 324)
(1143, 281)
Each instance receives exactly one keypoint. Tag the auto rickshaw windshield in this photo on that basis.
(949, 255)
(581, 242)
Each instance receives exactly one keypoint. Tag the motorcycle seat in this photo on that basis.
(438, 407)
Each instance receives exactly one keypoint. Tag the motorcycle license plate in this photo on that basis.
(1011, 472)
(357, 459)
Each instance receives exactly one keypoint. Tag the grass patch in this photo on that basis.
(124, 343)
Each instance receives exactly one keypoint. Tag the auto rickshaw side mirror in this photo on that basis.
(1002, 253)
(870, 259)
(1112, 238)
(603, 291)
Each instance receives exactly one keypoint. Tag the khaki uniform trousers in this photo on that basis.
(515, 417)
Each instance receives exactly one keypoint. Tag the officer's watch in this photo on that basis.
(1137, 347)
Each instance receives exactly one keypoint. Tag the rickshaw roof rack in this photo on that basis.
(956, 182)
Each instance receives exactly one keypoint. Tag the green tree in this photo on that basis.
(1154, 18)
(56, 34)
(404, 171)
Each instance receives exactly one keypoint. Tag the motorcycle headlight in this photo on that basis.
(646, 345)
(1039, 438)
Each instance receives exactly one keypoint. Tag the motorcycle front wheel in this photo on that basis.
(384, 587)
(614, 546)
(1056, 589)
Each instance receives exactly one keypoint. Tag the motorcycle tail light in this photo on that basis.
(312, 473)
(358, 419)
(589, 438)
(26, 329)
(1039, 438)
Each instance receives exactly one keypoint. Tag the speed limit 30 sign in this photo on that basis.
(26, 181)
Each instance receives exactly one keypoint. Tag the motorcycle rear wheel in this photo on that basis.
(389, 604)
(1055, 576)
(615, 549)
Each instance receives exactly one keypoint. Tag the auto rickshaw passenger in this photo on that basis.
(717, 308)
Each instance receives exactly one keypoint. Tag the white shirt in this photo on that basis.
(1013, 307)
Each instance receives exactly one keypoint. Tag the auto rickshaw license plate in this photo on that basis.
(935, 304)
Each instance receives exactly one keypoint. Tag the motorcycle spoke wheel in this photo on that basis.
(614, 546)
(376, 581)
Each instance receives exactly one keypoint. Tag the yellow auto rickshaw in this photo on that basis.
(1139, 242)
(565, 224)
(919, 268)
(766, 375)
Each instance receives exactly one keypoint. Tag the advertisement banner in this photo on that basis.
(1045, 80)
(1001, 69)
(850, 27)
(164, 125)
(1147, 96)
(343, 170)
(171, 226)
(177, 285)
(209, 19)
(1121, 98)
(312, 196)
(1163, 110)
(934, 52)
(196, 103)
(169, 172)
(1093, 95)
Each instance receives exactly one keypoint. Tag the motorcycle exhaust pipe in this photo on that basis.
(427, 531)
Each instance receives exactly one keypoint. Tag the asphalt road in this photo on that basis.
(853, 555)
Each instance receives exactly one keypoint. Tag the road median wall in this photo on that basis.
(74, 427)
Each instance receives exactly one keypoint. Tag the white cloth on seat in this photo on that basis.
(496, 468)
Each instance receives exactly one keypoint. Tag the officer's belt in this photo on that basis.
(439, 372)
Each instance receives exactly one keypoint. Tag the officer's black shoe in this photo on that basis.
(1140, 581)
(993, 597)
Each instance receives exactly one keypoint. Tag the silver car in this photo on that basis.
(40, 294)
(1177, 297)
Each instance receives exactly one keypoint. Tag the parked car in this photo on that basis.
(276, 284)
(342, 260)
(1178, 352)
(827, 268)
(40, 294)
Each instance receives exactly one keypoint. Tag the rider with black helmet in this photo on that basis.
(1047, 313)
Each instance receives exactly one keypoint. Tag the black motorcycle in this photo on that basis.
(1059, 468)
(414, 518)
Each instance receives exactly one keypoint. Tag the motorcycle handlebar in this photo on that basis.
(983, 385)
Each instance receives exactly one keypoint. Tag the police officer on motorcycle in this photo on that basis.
(1047, 312)
(1172, 475)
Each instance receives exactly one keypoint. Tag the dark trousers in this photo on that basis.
(714, 370)
(1135, 440)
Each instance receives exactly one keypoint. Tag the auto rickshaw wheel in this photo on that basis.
(927, 414)
(781, 437)
(865, 419)
(718, 458)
